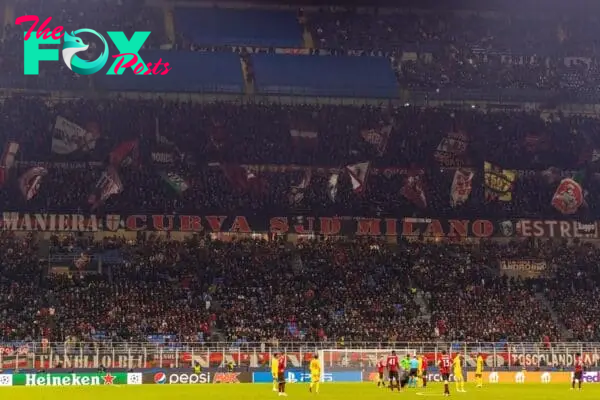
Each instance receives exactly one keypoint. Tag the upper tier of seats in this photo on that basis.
(191, 72)
(324, 76)
(218, 27)
(434, 55)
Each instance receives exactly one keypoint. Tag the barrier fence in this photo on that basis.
(355, 355)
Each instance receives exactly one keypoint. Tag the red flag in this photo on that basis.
(568, 196)
(126, 153)
(243, 179)
(461, 187)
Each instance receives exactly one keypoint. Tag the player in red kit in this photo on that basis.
(281, 374)
(392, 366)
(444, 365)
(578, 373)
(424, 362)
(380, 369)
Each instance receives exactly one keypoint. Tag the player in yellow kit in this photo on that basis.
(479, 371)
(315, 374)
(275, 371)
(420, 372)
(458, 374)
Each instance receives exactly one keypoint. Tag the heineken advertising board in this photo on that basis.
(72, 379)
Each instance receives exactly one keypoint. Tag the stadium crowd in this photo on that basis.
(539, 147)
(251, 290)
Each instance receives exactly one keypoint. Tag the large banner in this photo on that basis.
(523, 268)
(23, 357)
(498, 182)
(319, 225)
(71, 379)
(69, 137)
(451, 149)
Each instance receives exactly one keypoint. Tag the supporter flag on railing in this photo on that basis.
(413, 189)
(451, 150)
(304, 138)
(332, 186)
(499, 183)
(174, 180)
(461, 187)
(30, 181)
(358, 175)
(8, 160)
(125, 154)
(377, 137)
(568, 196)
(297, 192)
(69, 137)
(108, 185)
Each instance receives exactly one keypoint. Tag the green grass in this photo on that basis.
(329, 391)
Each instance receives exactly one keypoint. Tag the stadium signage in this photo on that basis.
(524, 268)
(523, 377)
(185, 377)
(181, 378)
(128, 56)
(302, 225)
(73, 379)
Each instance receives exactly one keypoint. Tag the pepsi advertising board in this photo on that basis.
(186, 377)
(300, 376)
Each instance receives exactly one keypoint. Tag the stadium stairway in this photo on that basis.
(307, 38)
(249, 88)
(565, 333)
(423, 304)
(169, 22)
(7, 15)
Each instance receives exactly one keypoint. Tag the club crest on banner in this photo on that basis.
(568, 196)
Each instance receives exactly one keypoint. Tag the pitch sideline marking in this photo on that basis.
(429, 394)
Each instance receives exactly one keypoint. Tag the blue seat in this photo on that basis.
(325, 75)
(191, 72)
(216, 26)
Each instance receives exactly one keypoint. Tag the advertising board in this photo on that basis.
(186, 377)
(300, 376)
(71, 379)
(523, 377)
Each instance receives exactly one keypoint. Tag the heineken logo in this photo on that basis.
(74, 379)
(71, 379)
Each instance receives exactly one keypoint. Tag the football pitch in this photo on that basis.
(356, 391)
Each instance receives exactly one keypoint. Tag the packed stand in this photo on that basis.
(574, 292)
(250, 290)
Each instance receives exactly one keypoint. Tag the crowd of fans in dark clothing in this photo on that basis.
(256, 290)
(249, 290)
(202, 138)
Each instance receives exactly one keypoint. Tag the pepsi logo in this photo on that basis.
(160, 377)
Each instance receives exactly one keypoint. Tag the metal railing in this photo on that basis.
(37, 355)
